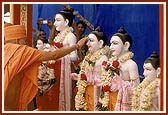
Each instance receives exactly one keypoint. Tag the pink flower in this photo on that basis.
(106, 88)
(83, 76)
(104, 63)
(115, 64)
(75, 90)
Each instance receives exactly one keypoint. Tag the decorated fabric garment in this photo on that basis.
(59, 96)
(49, 101)
(124, 98)
(65, 88)
(65, 85)
(93, 78)
(111, 82)
(114, 92)
(65, 71)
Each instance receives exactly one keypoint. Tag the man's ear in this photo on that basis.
(66, 22)
(101, 42)
(126, 46)
(158, 72)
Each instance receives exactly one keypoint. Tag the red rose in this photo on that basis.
(115, 64)
(104, 63)
(83, 76)
(50, 65)
(106, 88)
(75, 90)
(58, 44)
(53, 43)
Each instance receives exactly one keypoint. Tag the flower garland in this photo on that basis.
(110, 68)
(137, 93)
(146, 96)
(46, 76)
(61, 36)
(89, 60)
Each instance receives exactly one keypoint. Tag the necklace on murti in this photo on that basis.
(61, 36)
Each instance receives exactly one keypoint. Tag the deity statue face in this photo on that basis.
(117, 46)
(40, 45)
(60, 23)
(149, 71)
(93, 43)
(47, 47)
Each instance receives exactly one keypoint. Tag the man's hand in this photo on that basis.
(82, 41)
(49, 23)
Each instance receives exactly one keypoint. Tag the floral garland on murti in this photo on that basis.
(46, 76)
(110, 68)
(146, 96)
(61, 36)
(89, 60)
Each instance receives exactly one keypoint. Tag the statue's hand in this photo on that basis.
(74, 76)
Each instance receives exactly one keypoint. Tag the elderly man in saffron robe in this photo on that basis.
(20, 67)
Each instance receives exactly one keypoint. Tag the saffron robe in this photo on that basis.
(20, 75)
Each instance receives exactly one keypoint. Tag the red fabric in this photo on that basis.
(50, 100)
